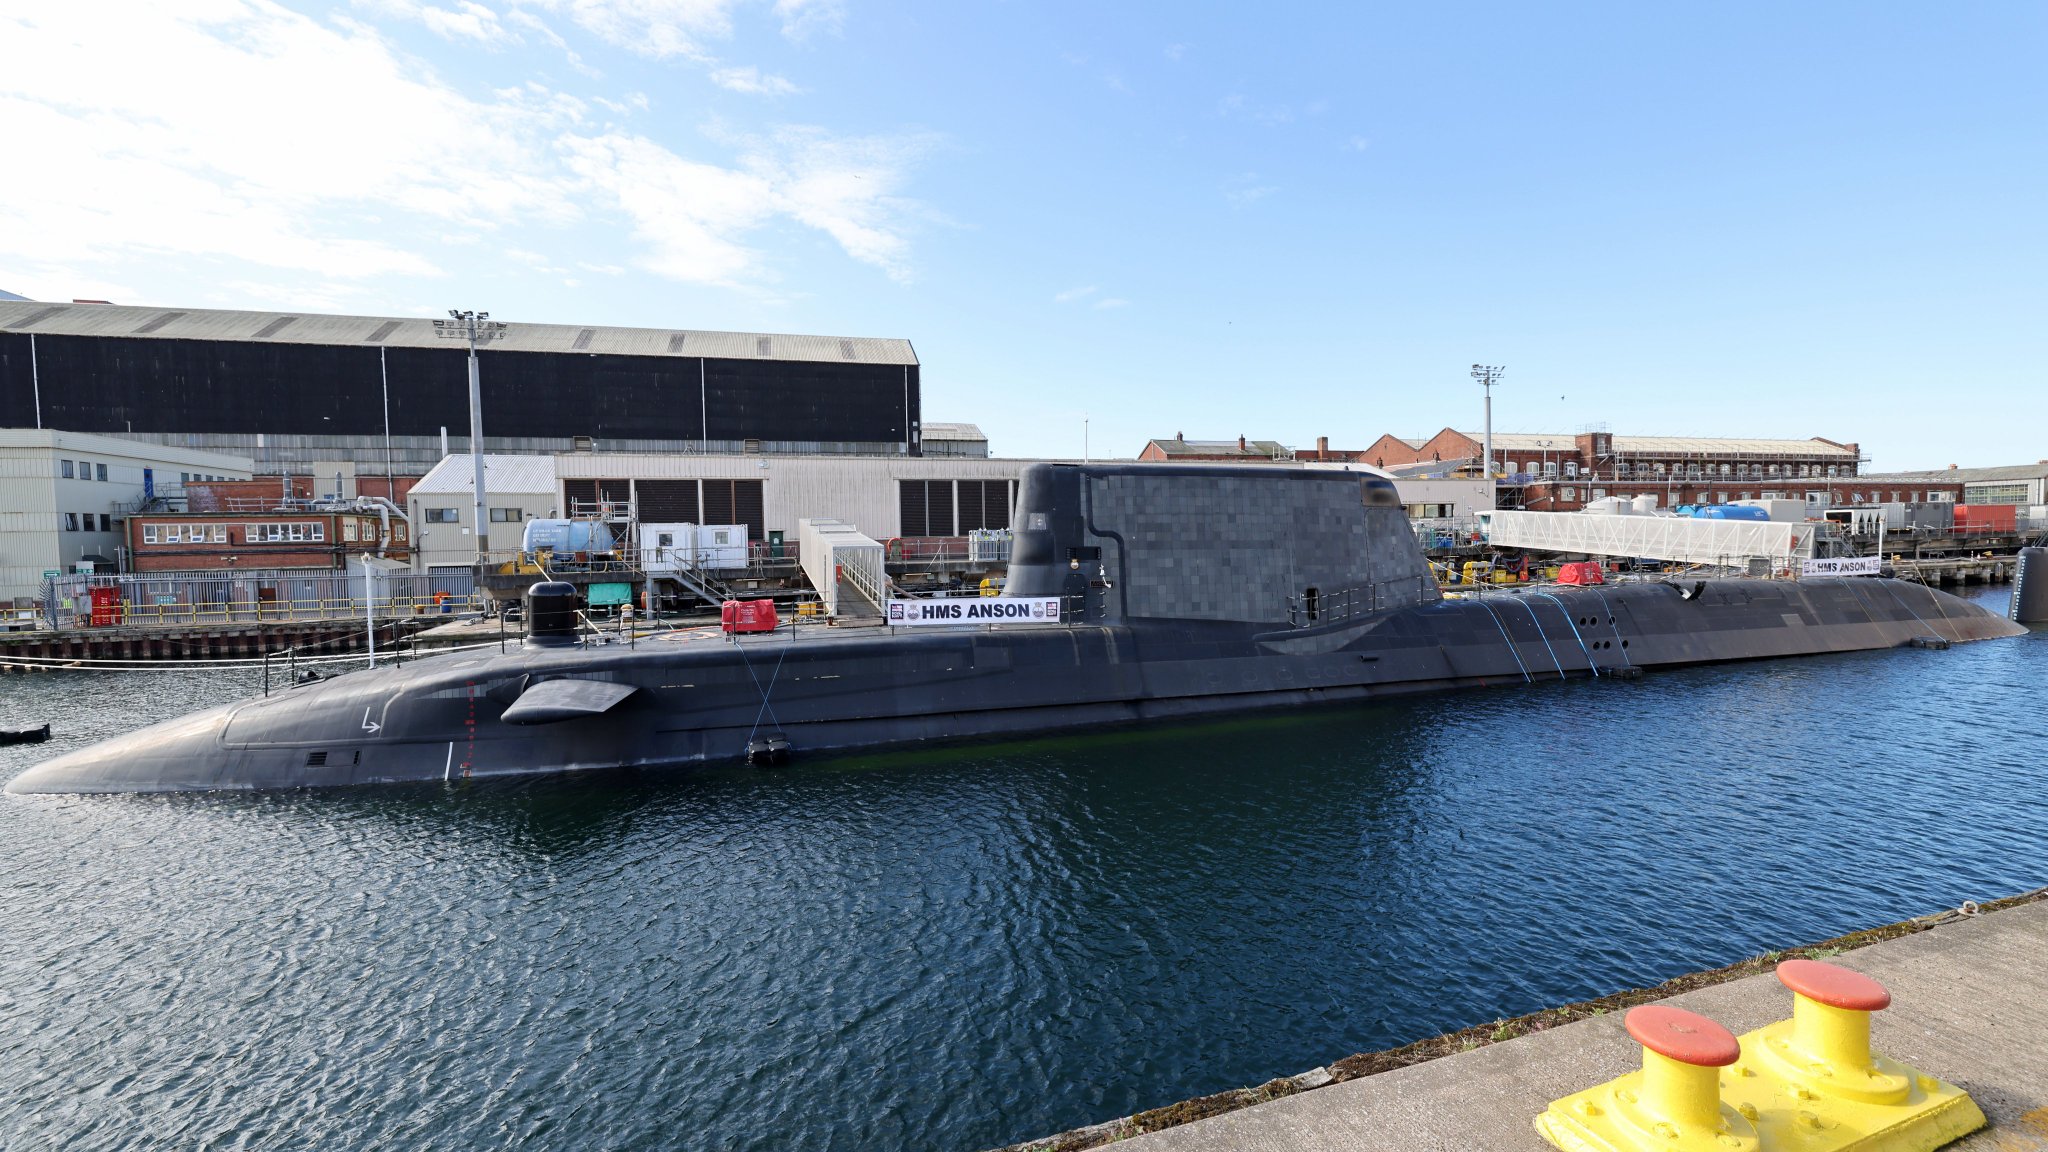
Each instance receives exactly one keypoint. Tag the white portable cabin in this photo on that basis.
(668, 547)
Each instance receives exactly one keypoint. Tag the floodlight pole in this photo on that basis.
(1488, 375)
(474, 326)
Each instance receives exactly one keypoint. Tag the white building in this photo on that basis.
(65, 497)
(443, 507)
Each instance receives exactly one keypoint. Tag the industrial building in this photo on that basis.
(67, 497)
(389, 395)
(885, 498)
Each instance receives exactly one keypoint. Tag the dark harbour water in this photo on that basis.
(957, 949)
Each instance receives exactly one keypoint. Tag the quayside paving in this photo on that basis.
(1969, 1005)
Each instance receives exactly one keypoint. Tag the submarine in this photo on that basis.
(1184, 590)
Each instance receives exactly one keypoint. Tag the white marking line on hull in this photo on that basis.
(450, 765)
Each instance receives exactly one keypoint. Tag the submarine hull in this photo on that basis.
(671, 704)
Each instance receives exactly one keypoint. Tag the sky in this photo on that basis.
(1104, 223)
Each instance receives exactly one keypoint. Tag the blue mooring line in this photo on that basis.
(1614, 622)
(1574, 625)
(1546, 639)
(1526, 678)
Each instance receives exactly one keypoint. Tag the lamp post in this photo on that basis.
(474, 327)
(1488, 375)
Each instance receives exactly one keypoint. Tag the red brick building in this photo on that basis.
(279, 538)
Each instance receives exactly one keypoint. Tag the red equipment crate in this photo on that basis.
(747, 616)
(1582, 572)
(106, 606)
(1987, 517)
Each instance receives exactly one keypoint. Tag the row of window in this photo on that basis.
(1690, 471)
(81, 470)
(454, 515)
(218, 533)
(83, 522)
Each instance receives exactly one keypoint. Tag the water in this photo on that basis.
(958, 949)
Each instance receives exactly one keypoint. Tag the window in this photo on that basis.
(184, 477)
(348, 530)
(1834, 469)
(1599, 493)
(444, 515)
(64, 469)
(507, 516)
(99, 471)
(106, 522)
(71, 521)
(1550, 468)
(1571, 469)
(149, 533)
(1568, 493)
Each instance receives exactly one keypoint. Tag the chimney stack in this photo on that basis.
(1240, 444)
(1322, 445)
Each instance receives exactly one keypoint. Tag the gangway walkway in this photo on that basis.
(1675, 538)
(845, 567)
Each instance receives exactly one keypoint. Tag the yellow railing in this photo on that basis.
(290, 611)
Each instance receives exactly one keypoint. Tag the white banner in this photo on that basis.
(976, 610)
(1858, 566)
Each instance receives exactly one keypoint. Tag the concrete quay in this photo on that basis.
(1969, 1005)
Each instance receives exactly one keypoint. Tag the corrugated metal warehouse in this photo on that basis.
(291, 388)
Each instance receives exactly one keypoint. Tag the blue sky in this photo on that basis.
(1281, 221)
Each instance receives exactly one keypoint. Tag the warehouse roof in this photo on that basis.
(505, 474)
(2035, 471)
(1266, 449)
(419, 332)
(1664, 445)
(937, 431)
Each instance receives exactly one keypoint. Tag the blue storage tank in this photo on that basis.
(1730, 512)
(567, 536)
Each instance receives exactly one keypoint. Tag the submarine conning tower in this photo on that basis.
(551, 614)
(1261, 544)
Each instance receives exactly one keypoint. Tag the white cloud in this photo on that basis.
(1245, 191)
(1176, 51)
(1112, 302)
(802, 19)
(752, 81)
(466, 20)
(358, 162)
(657, 28)
(1073, 294)
(1357, 144)
(1236, 107)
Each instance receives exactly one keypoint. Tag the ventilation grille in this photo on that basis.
(316, 759)
(583, 339)
(383, 330)
(159, 322)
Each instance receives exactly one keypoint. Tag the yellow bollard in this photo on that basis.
(1813, 1082)
(1672, 1103)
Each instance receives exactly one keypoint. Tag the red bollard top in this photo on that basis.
(1686, 1037)
(1834, 986)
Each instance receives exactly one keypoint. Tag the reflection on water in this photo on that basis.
(957, 948)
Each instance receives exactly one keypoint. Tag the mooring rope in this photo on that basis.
(1526, 678)
(1546, 639)
(1574, 625)
(767, 708)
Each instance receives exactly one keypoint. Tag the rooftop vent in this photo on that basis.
(763, 346)
(846, 349)
(383, 330)
(36, 317)
(583, 339)
(159, 322)
(275, 326)
(675, 342)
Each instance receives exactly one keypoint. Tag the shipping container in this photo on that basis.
(1987, 517)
